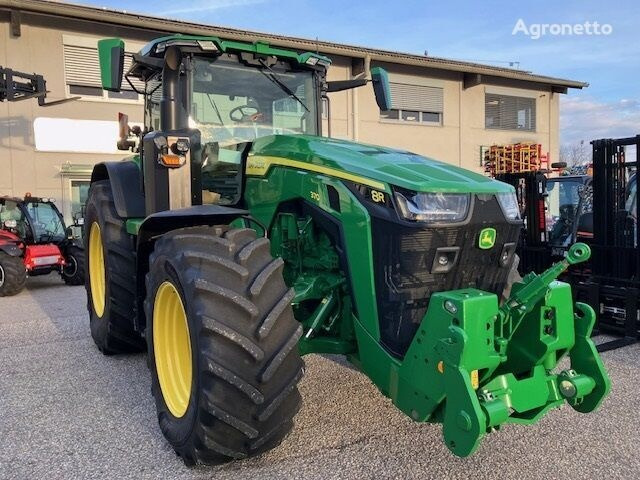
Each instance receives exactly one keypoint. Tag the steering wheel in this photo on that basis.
(245, 113)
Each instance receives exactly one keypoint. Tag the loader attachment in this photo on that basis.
(474, 365)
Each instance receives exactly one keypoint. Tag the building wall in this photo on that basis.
(354, 114)
(40, 49)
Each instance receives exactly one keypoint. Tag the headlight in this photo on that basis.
(509, 204)
(433, 207)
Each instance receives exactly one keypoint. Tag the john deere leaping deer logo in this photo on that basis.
(487, 238)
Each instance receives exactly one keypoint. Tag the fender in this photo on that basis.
(11, 244)
(158, 224)
(71, 242)
(11, 249)
(126, 185)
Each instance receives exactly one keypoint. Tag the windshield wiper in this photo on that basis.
(271, 75)
(215, 107)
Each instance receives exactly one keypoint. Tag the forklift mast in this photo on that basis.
(613, 287)
(15, 86)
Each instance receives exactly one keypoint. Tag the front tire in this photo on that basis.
(13, 275)
(110, 275)
(222, 344)
(73, 271)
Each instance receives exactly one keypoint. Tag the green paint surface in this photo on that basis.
(391, 166)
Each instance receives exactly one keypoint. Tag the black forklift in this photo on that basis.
(597, 207)
(611, 284)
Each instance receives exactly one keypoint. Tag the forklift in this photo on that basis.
(611, 284)
(597, 207)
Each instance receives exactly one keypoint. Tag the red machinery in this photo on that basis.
(34, 241)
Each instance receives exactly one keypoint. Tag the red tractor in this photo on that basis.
(34, 241)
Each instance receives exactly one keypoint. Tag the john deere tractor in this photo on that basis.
(237, 239)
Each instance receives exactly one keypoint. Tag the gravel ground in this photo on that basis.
(67, 411)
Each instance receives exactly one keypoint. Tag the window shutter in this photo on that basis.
(508, 112)
(416, 98)
(82, 67)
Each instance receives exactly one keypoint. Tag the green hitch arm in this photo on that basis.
(585, 391)
(534, 287)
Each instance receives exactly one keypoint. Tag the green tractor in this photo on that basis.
(238, 239)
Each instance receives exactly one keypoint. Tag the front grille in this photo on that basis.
(404, 255)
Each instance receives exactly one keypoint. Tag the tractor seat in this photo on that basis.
(222, 174)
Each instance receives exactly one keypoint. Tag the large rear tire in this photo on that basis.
(222, 344)
(110, 272)
(13, 275)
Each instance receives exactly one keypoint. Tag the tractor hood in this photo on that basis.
(382, 164)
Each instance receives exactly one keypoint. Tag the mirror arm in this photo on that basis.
(151, 62)
(340, 85)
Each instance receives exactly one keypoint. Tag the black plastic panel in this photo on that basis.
(404, 258)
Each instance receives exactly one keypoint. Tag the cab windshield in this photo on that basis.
(45, 222)
(565, 201)
(233, 103)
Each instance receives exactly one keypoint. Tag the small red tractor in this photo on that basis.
(34, 241)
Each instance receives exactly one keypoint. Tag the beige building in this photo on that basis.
(445, 109)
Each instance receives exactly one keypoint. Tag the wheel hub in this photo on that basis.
(97, 279)
(1, 276)
(172, 349)
(71, 266)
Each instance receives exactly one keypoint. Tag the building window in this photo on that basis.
(507, 112)
(414, 104)
(79, 195)
(82, 76)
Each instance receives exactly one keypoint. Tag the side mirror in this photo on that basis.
(111, 54)
(381, 88)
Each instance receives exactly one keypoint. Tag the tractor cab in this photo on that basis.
(36, 220)
(233, 106)
(217, 97)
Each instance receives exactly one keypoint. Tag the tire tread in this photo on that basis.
(248, 380)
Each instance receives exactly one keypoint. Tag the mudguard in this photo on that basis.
(162, 222)
(11, 249)
(126, 185)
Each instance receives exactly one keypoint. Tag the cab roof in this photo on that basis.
(157, 47)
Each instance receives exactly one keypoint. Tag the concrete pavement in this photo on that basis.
(67, 411)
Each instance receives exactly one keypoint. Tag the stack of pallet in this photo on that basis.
(514, 158)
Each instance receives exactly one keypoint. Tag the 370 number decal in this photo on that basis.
(315, 196)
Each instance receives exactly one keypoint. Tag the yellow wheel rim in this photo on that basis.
(172, 349)
(96, 270)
